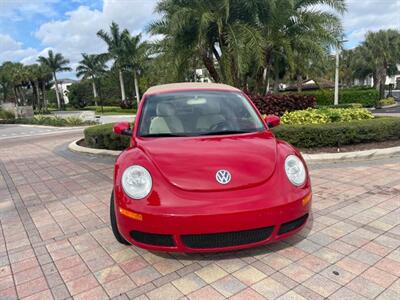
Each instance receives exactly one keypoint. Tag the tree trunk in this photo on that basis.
(16, 95)
(94, 91)
(234, 71)
(122, 84)
(299, 80)
(35, 100)
(379, 81)
(136, 88)
(209, 64)
(22, 95)
(276, 82)
(45, 104)
(38, 94)
(56, 89)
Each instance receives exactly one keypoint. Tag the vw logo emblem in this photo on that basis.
(223, 176)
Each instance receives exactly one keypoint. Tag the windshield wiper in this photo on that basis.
(225, 132)
(162, 135)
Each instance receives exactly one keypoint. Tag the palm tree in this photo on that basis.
(34, 76)
(56, 63)
(116, 50)
(91, 67)
(136, 55)
(5, 79)
(379, 53)
(241, 40)
(19, 79)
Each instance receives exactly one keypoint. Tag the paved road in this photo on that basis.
(8, 132)
(56, 242)
(390, 111)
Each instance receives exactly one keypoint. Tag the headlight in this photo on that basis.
(295, 170)
(136, 182)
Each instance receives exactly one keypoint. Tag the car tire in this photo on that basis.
(113, 220)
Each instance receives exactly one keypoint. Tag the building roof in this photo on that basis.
(183, 86)
(311, 84)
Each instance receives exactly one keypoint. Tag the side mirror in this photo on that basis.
(272, 121)
(122, 128)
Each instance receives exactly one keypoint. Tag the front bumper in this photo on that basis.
(214, 231)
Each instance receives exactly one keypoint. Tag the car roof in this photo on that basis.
(186, 86)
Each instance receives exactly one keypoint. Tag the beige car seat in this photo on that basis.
(210, 116)
(166, 120)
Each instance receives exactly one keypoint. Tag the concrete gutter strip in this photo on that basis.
(351, 156)
(320, 157)
(76, 148)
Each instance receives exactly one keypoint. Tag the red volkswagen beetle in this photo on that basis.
(204, 173)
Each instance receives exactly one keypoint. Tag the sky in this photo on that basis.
(29, 28)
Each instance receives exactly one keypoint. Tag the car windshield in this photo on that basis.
(197, 113)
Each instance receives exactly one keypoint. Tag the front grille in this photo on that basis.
(226, 239)
(153, 239)
(292, 225)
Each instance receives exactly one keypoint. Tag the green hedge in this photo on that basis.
(367, 97)
(49, 121)
(102, 137)
(110, 109)
(338, 134)
(301, 136)
(6, 115)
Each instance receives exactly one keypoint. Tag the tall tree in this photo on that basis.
(91, 67)
(5, 80)
(136, 56)
(379, 54)
(240, 40)
(116, 50)
(56, 63)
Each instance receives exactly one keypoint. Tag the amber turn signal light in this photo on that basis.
(131, 214)
(307, 199)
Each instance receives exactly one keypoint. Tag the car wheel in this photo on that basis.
(113, 219)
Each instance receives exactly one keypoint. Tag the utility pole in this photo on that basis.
(336, 101)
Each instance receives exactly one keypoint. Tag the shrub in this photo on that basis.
(325, 115)
(111, 109)
(80, 94)
(50, 121)
(102, 137)
(367, 97)
(279, 104)
(338, 134)
(386, 101)
(301, 136)
(6, 115)
(342, 105)
(126, 104)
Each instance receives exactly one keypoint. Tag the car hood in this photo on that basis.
(191, 163)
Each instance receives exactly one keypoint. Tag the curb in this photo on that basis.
(312, 158)
(352, 156)
(76, 148)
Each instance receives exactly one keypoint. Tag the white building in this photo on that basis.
(369, 81)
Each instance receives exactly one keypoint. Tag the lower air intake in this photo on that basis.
(153, 239)
(226, 239)
(292, 225)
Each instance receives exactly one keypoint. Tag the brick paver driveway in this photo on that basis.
(56, 242)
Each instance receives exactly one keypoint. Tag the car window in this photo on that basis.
(197, 113)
